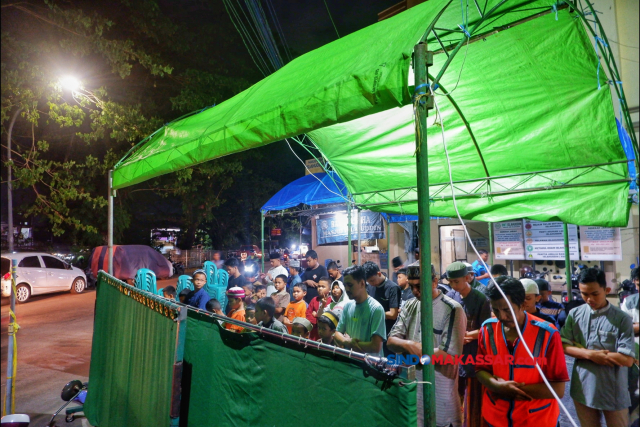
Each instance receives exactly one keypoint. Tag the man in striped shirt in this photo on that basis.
(449, 324)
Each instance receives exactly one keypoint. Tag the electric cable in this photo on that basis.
(331, 18)
(314, 175)
(466, 232)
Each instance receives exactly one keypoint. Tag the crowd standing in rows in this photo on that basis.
(478, 320)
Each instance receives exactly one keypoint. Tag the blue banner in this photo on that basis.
(333, 228)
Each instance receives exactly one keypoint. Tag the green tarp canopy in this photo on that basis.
(541, 140)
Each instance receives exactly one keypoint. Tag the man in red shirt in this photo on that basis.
(515, 394)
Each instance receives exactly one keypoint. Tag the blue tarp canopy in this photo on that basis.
(314, 189)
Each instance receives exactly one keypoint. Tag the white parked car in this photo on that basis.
(40, 273)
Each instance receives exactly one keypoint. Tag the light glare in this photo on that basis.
(70, 83)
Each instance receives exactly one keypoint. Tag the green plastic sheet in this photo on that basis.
(528, 90)
(131, 361)
(243, 380)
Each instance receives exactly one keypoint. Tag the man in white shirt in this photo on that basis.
(276, 269)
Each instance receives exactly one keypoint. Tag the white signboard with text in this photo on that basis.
(545, 240)
(507, 240)
(600, 244)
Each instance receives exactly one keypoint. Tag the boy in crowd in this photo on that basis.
(448, 334)
(632, 303)
(312, 274)
(301, 327)
(515, 392)
(213, 305)
(600, 337)
(250, 313)
(481, 273)
(169, 292)
(531, 297)
(260, 291)
(471, 278)
(403, 281)
(265, 312)
(198, 297)
(327, 324)
(477, 309)
(248, 294)
(232, 266)
(184, 294)
(334, 272)
(294, 276)
(235, 296)
(386, 292)
(498, 270)
(397, 266)
(547, 306)
(318, 304)
(361, 326)
(280, 297)
(297, 307)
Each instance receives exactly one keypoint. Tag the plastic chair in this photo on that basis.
(184, 282)
(217, 280)
(146, 280)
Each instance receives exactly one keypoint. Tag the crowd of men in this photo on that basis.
(509, 333)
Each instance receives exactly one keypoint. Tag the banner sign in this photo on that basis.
(507, 240)
(333, 228)
(600, 244)
(545, 240)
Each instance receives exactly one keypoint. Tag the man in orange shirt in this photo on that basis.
(235, 296)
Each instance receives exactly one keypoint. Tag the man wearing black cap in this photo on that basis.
(547, 306)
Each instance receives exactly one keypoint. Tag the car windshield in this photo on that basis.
(6, 266)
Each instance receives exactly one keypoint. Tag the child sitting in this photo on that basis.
(236, 308)
(198, 297)
(265, 315)
(327, 324)
(169, 292)
(318, 304)
(250, 313)
(183, 295)
(296, 308)
(301, 327)
(213, 305)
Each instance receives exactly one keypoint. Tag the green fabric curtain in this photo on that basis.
(131, 361)
(529, 93)
(243, 380)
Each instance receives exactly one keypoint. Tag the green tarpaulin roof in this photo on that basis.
(546, 144)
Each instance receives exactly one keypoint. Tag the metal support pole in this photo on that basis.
(567, 259)
(389, 269)
(422, 59)
(349, 244)
(262, 240)
(9, 405)
(110, 224)
(10, 233)
(359, 227)
(491, 243)
(511, 266)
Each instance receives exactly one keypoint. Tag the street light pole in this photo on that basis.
(10, 233)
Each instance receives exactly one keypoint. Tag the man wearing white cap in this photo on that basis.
(531, 298)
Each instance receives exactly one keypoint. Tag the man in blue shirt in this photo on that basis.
(482, 275)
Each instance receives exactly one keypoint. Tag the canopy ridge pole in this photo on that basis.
(350, 246)
(110, 223)
(461, 43)
(490, 224)
(359, 227)
(567, 261)
(422, 59)
(262, 241)
(478, 7)
(466, 124)
(610, 61)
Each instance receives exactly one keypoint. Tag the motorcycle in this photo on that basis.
(178, 267)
